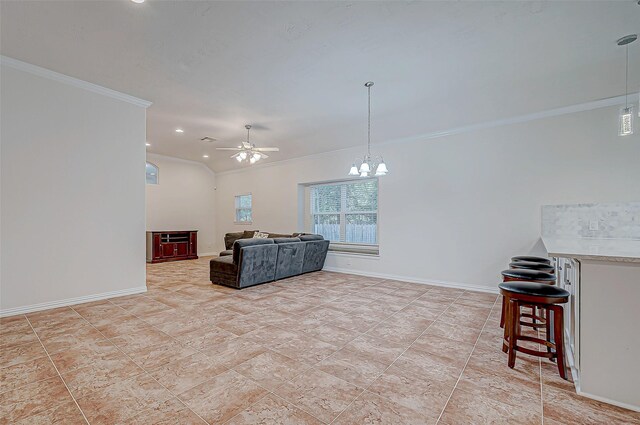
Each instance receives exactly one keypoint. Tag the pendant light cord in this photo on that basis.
(626, 81)
(369, 124)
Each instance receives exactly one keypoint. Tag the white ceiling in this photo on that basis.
(296, 70)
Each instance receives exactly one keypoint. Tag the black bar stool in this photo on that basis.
(530, 258)
(542, 296)
(526, 275)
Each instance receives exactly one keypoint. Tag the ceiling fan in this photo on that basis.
(248, 152)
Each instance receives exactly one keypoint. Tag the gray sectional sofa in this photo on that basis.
(254, 261)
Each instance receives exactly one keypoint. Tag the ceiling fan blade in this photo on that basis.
(263, 155)
(229, 149)
(234, 155)
(267, 149)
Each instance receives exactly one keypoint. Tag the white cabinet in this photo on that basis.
(568, 272)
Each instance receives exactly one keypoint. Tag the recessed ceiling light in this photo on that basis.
(179, 130)
(205, 156)
(147, 144)
(138, 1)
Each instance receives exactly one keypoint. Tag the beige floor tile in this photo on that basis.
(171, 412)
(454, 331)
(358, 369)
(273, 410)
(16, 354)
(221, 398)
(187, 372)
(322, 395)
(468, 408)
(419, 393)
(122, 400)
(66, 413)
(370, 408)
(21, 374)
(271, 369)
(32, 399)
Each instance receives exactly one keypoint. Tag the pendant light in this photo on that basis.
(369, 166)
(625, 123)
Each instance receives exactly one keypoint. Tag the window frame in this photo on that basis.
(348, 247)
(157, 173)
(236, 203)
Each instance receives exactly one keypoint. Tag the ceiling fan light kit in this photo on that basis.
(248, 152)
(369, 166)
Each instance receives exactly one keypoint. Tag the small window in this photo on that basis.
(152, 173)
(243, 209)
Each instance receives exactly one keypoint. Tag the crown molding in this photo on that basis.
(176, 159)
(549, 113)
(65, 79)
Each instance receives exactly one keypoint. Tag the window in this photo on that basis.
(152, 173)
(346, 213)
(243, 209)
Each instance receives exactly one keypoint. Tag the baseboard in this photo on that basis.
(410, 279)
(609, 401)
(71, 301)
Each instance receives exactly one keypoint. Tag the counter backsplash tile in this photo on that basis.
(615, 220)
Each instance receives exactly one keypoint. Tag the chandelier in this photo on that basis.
(369, 166)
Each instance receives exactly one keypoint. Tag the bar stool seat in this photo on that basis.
(528, 275)
(531, 258)
(535, 289)
(543, 267)
(541, 296)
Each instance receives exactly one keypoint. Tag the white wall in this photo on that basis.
(184, 199)
(72, 192)
(455, 209)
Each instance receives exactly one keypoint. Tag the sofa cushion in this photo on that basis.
(248, 234)
(305, 238)
(225, 252)
(224, 265)
(241, 243)
(290, 257)
(286, 240)
(315, 253)
(230, 238)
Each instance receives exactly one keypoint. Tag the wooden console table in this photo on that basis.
(172, 246)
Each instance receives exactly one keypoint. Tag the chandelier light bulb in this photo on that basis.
(257, 156)
(382, 169)
(242, 156)
(354, 170)
(364, 174)
(364, 168)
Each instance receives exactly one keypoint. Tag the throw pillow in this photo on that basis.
(260, 235)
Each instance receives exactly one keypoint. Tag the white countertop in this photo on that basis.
(625, 250)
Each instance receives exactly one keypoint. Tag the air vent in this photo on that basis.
(208, 139)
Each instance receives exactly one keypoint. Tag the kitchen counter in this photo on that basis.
(622, 250)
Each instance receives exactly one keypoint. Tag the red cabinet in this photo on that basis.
(172, 245)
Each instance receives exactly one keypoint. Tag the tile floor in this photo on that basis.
(319, 348)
